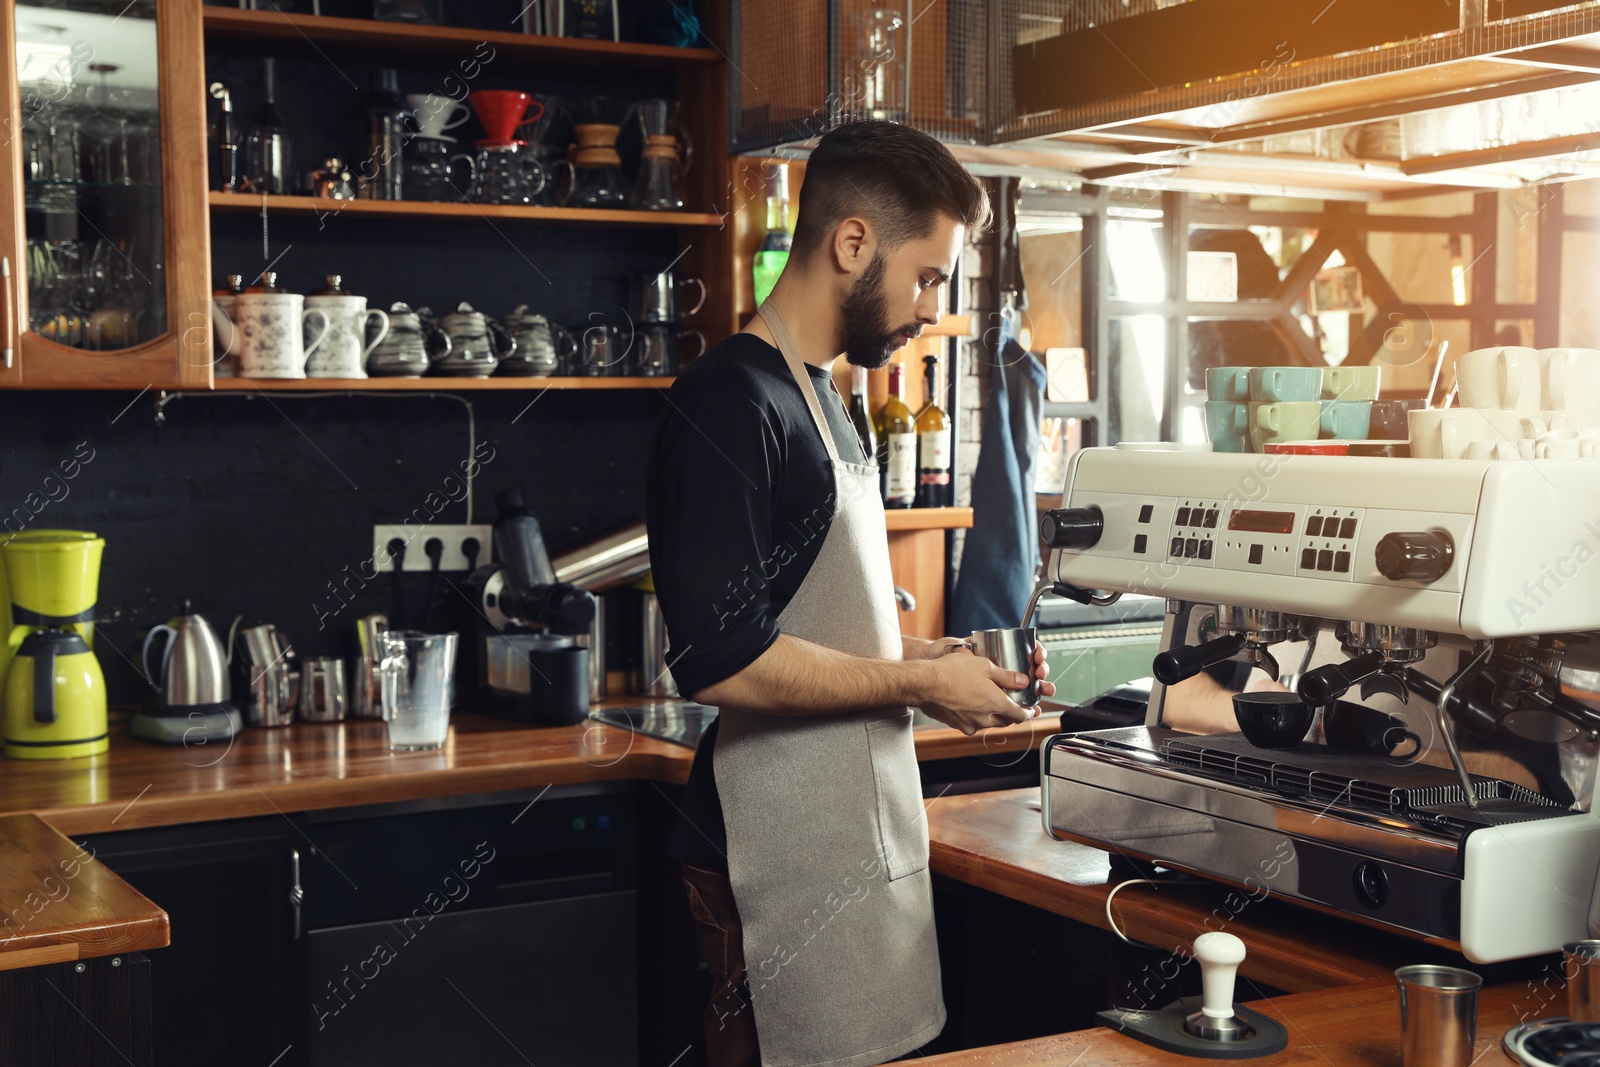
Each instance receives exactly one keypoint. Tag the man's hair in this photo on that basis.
(896, 177)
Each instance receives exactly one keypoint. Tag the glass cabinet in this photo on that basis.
(104, 179)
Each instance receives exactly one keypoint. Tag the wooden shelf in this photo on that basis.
(928, 518)
(433, 384)
(447, 41)
(250, 203)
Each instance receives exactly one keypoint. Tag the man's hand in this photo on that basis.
(969, 693)
(922, 648)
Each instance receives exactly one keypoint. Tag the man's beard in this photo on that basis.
(867, 334)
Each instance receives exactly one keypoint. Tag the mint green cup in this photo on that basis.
(1227, 425)
(1351, 383)
(1281, 385)
(1346, 420)
(1299, 420)
(1228, 383)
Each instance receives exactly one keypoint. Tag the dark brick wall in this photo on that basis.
(252, 506)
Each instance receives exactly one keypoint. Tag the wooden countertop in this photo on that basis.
(996, 841)
(310, 766)
(61, 905)
(1355, 1025)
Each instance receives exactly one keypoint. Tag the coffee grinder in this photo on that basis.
(524, 661)
(55, 694)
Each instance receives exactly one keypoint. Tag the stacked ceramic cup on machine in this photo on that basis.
(1258, 409)
(1516, 403)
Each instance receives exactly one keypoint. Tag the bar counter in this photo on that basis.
(315, 766)
(1353, 1026)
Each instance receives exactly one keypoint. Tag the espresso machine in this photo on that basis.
(1463, 596)
(525, 660)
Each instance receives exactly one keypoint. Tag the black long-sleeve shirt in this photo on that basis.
(739, 496)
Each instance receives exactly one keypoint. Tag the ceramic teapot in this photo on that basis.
(542, 345)
(410, 346)
(477, 344)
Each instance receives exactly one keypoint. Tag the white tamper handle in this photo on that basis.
(1220, 955)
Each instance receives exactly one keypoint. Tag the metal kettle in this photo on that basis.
(194, 668)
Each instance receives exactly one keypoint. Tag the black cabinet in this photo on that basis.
(489, 929)
(231, 987)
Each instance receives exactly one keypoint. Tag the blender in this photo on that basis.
(55, 696)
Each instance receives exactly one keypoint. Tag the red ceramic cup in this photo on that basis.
(501, 111)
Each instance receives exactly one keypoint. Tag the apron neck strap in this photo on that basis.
(797, 367)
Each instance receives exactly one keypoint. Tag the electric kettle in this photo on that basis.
(191, 699)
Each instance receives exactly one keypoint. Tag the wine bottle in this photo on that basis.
(933, 445)
(859, 414)
(773, 254)
(897, 444)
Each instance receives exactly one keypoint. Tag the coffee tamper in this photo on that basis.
(1219, 1029)
(1220, 955)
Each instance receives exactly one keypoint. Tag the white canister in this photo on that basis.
(270, 328)
(342, 349)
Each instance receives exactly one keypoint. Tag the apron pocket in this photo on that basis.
(902, 820)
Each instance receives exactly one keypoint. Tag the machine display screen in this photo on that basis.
(1278, 522)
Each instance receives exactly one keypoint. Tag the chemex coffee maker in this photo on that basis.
(55, 695)
(1451, 607)
(525, 661)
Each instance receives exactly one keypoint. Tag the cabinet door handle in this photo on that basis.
(10, 311)
(297, 893)
(904, 600)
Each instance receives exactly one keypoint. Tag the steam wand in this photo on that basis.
(1446, 695)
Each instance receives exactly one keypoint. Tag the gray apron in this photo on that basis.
(827, 835)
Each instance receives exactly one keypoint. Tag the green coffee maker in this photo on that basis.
(54, 694)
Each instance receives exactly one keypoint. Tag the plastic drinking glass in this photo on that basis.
(417, 669)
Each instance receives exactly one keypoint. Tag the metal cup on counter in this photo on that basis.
(1438, 1015)
(322, 690)
(267, 676)
(1582, 960)
(653, 676)
(366, 686)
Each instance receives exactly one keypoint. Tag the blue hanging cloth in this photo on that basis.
(1002, 548)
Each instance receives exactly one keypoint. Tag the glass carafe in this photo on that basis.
(505, 174)
(597, 180)
(93, 203)
(664, 156)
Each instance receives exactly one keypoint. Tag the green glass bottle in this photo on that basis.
(774, 251)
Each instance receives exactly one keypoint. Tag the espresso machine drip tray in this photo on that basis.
(1368, 783)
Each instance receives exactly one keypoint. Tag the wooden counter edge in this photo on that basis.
(928, 519)
(1170, 923)
(62, 905)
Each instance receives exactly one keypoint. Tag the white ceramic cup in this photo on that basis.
(1507, 379)
(1571, 378)
(1446, 433)
(342, 349)
(436, 114)
(1566, 444)
(271, 333)
(1498, 450)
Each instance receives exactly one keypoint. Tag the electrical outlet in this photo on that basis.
(416, 539)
